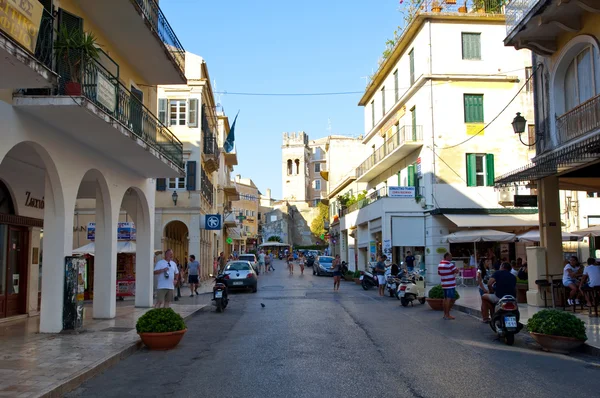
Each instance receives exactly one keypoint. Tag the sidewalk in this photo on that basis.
(50, 365)
(470, 303)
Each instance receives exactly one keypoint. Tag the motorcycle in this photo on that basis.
(368, 279)
(220, 299)
(411, 287)
(505, 319)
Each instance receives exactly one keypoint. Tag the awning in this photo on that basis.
(479, 235)
(230, 220)
(234, 233)
(126, 246)
(534, 236)
(274, 244)
(324, 174)
(591, 231)
(493, 220)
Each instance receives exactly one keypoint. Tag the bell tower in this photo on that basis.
(295, 156)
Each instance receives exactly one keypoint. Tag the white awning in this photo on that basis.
(534, 236)
(274, 244)
(591, 231)
(125, 246)
(493, 220)
(234, 233)
(479, 235)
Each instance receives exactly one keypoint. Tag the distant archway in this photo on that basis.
(176, 237)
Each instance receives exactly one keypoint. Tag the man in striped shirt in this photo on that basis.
(447, 272)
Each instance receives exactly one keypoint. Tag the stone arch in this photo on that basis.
(176, 235)
(297, 169)
(7, 198)
(290, 167)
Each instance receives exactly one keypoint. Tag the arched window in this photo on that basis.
(289, 167)
(580, 82)
(6, 203)
(297, 161)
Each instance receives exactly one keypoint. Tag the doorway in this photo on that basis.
(13, 270)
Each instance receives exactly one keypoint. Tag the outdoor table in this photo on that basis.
(552, 279)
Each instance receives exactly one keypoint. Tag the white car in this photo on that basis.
(251, 258)
(240, 274)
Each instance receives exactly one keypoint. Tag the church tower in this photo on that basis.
(295, 159)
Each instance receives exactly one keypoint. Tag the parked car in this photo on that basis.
(322, 266)
(311, 256)
(251, 258)
(241, 275)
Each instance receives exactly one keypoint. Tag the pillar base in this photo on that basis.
(534, 298)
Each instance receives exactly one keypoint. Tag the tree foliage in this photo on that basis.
(317, 226)
(274, 238)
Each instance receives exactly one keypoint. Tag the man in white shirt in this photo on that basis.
(166, 269)
(590, 278)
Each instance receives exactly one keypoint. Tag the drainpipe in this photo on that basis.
(433, 174)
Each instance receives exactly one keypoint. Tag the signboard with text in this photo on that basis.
(125, 231)
(401, 192)
(106, 92)
(20, 19)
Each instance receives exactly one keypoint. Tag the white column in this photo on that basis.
(34, 272)
(550, 225)
(58, 242)
(144, 268)
(105, 262)
(194, 236)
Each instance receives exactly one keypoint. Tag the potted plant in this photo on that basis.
(557, 331)
(356, 277)
(161, 328)
(463, 8)
(436, 298)
(349, 276)
(73, 48)
(436, 6)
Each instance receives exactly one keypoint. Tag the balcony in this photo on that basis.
(398, 146)
(579, 121)
(211, 153)
(375, 196)
(140, 32)
(536, 24)
(23, 65)
(230, 189)
(104, 115)
(206, 187)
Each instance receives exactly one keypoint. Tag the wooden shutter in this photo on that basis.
(411, 56)
(193, 112)
(162, 110)
(411, 175)
(473, 108)
(161, 184)
(190, 175)
(471, 170)
(489, 170)
(71, 22)
(399, 179)
(471, 46)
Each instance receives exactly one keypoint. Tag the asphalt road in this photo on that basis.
(311, 342)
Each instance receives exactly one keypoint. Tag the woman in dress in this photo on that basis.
(302, 262)
(290, 261)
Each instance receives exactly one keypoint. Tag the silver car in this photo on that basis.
(240, 275)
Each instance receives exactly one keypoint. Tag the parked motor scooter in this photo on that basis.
(368, 279)
(411, 287)
(220, 299)
(505, 319)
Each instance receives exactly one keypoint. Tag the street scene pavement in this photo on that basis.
(308, 341)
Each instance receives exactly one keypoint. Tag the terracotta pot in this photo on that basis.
(436, 9)
(357, 281)
(450, 1)
(558, 344)
(162, 341)
(462, 9)
(73, 89)
(437, 304)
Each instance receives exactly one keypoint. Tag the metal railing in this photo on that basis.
(206, 187)
(105, 91)
(516, 10)
(370, 198)
(211, 147)
(463, 6)
(405, 134)
(158, 22)
(579, 121)
(45, 40)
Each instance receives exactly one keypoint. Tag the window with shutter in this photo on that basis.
(411, 57)
(161, 184)
(399, 179)
(471, 46)
(383, 101)
(471, 173)
(162, 110)
(191, 175)
(193, 113)
(489, 170)
(473, 108)
(177, 113)
(411, 175)
(396, 87)
(72, 23)
(373, 113)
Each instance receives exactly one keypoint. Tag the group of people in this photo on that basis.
(172, 277)
(294, 257)
(577, 278)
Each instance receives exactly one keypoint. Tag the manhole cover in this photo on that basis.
(117, 330)
(272, 287)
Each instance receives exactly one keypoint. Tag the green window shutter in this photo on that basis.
(190, 175)
(489, 170)
(473, 108)
(399, 180)
(471, 46)
(162, 110)
(471, 171)
(411, 56)
(411, 175)
(161, 184)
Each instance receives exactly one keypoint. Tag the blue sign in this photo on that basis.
(213, 222)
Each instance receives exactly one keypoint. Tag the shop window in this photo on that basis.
(480, 170)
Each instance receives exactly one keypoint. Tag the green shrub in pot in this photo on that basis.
(356, 274)
(437, 292)
(160, 320)
(557, 323)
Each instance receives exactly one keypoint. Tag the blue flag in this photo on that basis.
(229, 143)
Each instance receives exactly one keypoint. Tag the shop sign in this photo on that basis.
(21, 19)
(34, 202)
(401, 192)
(387, 249)
(106, 92)
(125, 231)
(526, 200)
(419, 166)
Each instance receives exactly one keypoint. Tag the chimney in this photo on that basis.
(238, 178)
(269, 193)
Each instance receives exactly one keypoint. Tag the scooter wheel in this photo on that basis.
(397, 295)
(365, 285)
(509, 339)
(404, 302)
(391, 292)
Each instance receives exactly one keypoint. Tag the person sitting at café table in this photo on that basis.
(570, 273)
(590, 278)
(502, 283)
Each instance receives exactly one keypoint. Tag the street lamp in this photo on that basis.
(174, 197)
(519, 123)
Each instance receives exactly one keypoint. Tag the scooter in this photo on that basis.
(411, 288)
(220, 299)
(368, 279)
(505, 319)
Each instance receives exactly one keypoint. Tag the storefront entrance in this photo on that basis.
(13, 270)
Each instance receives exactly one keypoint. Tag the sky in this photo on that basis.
(283, 46)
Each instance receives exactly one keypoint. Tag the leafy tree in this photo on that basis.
(274, 238)
(317, 226)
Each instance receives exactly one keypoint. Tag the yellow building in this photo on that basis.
(245, 211)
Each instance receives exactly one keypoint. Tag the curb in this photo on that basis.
(72, 383)
(585, 349)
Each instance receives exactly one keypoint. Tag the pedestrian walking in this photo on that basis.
(271, 261)
(290, 261)
(221, 262)
(380, 271)
(167, 269)
(178, 280)
(193, 267)
(409, 261)
(336, 267)
(268, 262)
(261, 261)
(447, 271)
(302, 263)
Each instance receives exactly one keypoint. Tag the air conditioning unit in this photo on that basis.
(505, 198)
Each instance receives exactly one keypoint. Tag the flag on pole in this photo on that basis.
(229, 143)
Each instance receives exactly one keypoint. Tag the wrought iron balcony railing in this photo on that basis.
(211, 146)
(405, 134)
(462, 6)
(516, 10)
(206, 187)
(579, 121)
(161, 26)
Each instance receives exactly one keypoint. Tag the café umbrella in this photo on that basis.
(122, 247)
(479, 235)
(534, 236)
